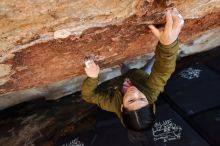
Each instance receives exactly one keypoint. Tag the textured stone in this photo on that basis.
(33, 122)
(206, 41)
(61, 34)
(113, 31)
(4, 70)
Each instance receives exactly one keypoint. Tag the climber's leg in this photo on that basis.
(148, 67)
(124, 68)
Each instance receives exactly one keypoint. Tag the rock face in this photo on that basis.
(43, 43)
(32, 122)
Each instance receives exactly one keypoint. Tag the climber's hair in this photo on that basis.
(138, 122)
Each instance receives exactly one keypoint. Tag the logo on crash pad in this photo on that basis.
(166, 131)
(190, 73)
(75, 142)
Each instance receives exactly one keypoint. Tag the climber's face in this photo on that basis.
(134, 99)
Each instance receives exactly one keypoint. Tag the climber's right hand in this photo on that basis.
(92, 70)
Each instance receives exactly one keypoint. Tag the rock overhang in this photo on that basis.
(44, 43)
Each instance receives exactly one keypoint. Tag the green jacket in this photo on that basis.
(108, 95)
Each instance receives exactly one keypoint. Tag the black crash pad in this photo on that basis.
(108, 131)
(85, 138)
(112, 135)
(194, 89)
(214, 64)
(208, 124)
(171, 130)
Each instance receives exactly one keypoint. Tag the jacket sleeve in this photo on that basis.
(164, 66)
(92, 93)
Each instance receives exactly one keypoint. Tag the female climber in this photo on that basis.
(135, 92)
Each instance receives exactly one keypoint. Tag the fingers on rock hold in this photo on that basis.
(155, 31)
